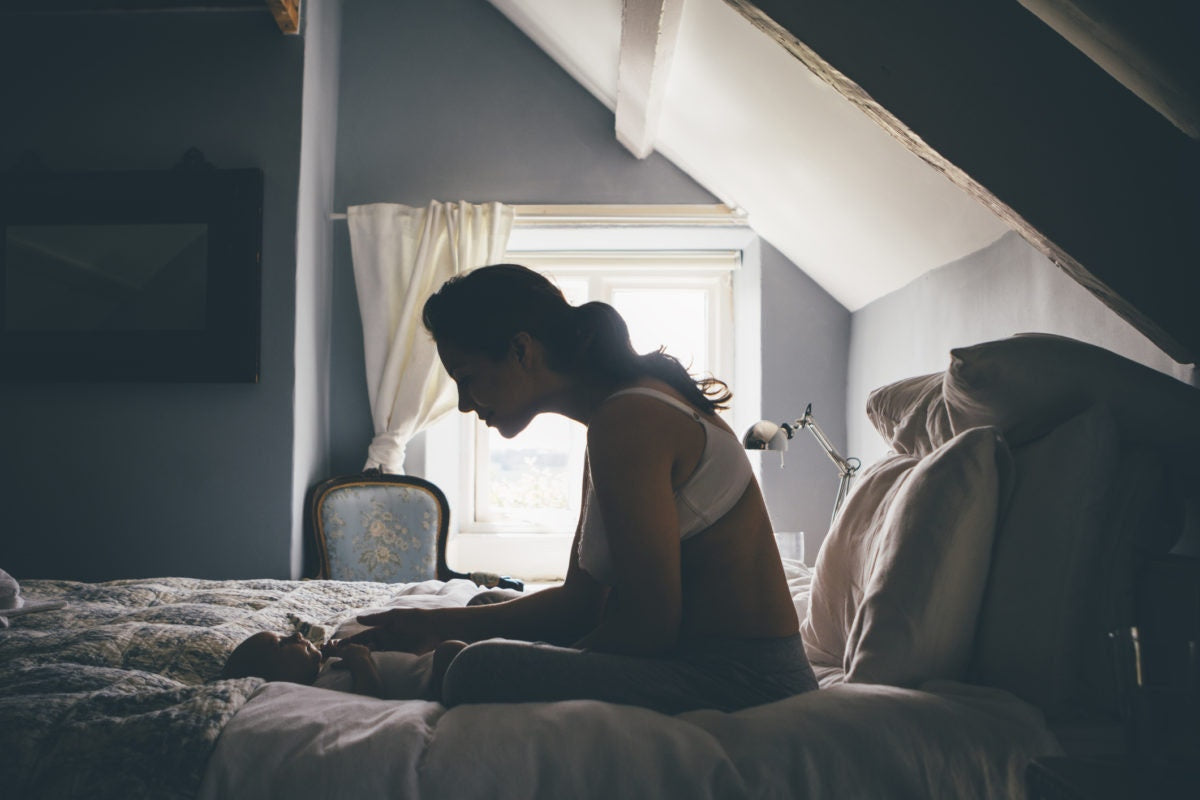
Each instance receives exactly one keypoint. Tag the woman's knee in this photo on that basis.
(468, 675)
(495, 671)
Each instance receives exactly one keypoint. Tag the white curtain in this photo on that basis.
(401, 256)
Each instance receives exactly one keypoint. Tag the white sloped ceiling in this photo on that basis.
(826, 186)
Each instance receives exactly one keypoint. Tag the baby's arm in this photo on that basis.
(357, 659)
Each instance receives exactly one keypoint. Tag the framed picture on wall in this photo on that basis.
(131, 276)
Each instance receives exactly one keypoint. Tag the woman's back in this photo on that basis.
(731, 578)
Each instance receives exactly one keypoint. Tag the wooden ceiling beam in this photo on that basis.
(287, 14)
(649, 30)
(1086, 171)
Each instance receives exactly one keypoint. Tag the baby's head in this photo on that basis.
(275, 658)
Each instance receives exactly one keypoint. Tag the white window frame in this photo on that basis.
(579, 236)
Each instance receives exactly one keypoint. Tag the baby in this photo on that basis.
(339, 664)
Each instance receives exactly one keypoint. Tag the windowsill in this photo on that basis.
(543, 557)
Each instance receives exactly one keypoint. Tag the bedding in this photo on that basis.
(911, 414)
(114, 696)
(900, 577)
(856, 740)
(916, 620)
(1029, 383)
(1031, 635)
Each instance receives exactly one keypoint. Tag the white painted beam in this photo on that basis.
(649, 29)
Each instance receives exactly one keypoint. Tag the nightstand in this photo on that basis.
(1109, 779)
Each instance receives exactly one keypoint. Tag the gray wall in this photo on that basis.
(449, 101)
(1005, 288)
(105, 480)
(314, 255)
(806, 348)
(434, 101)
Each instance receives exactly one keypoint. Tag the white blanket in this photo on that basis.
(856, 740)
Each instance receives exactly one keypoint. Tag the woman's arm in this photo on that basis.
(633, 445)
(560, 614)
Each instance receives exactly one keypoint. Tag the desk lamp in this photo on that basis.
(767, 435)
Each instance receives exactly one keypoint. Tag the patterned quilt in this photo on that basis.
(117, 694)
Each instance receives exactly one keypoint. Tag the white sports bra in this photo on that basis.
(714, 487)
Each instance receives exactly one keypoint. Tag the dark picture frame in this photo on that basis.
(131, 276)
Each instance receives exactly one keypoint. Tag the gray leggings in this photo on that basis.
(726, 674)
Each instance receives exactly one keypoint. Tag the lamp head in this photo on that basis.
(766, 435)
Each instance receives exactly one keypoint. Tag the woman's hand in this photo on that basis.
(403, 629)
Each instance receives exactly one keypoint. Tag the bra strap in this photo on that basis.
(663, 396)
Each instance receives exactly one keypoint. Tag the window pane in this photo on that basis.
(674, 318)
(574, 289)
(535, 476)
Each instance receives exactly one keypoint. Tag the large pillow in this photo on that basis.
(844, 561)
(917, 618)
(911, 414)
(1029, 383)
(1049, 547)
(898, 579)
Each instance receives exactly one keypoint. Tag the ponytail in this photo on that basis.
(604, 345)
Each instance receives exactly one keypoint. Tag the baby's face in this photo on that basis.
(286, 658)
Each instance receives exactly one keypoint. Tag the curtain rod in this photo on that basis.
(549, 215)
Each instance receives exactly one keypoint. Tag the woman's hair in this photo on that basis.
(481, 311)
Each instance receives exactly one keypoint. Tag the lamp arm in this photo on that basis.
(846, 466)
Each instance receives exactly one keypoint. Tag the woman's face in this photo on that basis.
(501, 392)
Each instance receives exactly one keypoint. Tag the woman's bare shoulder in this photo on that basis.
(634, 411)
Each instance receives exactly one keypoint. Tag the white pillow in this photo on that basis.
(911, 414)
(1029, 383)
(845, 558)
(920, 602)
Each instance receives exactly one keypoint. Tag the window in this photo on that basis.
(682, 278)
(682, 301)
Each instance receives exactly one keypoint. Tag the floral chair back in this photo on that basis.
(379, 527)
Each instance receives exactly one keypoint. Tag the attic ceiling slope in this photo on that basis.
(818, 180)
(1085, 170)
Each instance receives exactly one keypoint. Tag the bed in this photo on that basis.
(956, 615)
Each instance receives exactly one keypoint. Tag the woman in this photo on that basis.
(675, 596)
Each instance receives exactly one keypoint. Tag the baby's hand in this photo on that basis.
(345, 650)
